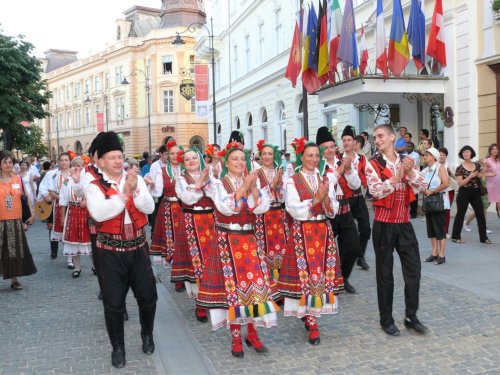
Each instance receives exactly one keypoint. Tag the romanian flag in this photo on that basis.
(323, 67)
(399, 53)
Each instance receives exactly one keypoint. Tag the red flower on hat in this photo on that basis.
(260, 145)
(86, 159)
(298, 145)
(180, 156)
(210, 150)
(71, 154)
(221, 153)
(171, 144)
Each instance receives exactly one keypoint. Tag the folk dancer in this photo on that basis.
(76, 234)
(308, 277)
(271, 228)
(236, 285)
(391, 183)
(215, 164)
(120, 202)
(343, 224)
(357, 202)
(196, 232)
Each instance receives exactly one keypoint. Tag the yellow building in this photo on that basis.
(92, 94)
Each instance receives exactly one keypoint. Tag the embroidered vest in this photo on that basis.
(242, 218)
(93, 171)
(115, 225)
(168, 184)
(205, 201)
(261, 175)
(361, 170)
(305, 192)
(380, 166)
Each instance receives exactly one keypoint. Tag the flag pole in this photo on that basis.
(305, 111)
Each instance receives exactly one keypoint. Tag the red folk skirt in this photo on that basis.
(167, 224)
(57, 226)
(192, 246)
(311, 268)
(76, 228)
(270, 231)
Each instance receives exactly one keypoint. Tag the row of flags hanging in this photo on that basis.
(323, 40)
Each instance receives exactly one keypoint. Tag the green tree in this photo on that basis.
(23, 93)
(34, 144)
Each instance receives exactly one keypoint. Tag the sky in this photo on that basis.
(83, 26)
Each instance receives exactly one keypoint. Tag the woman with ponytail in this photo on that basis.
(196, 232)
(308, 276)
(270, 228)
(236, 284)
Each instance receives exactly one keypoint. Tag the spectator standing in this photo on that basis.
(400, 145)
(452, 187)
(367, 147)
(493, 181)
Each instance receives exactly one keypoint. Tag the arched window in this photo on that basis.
(61, 150)
(264, 116)
(263, 124)
(219, 134)
(78, 147)
(198, 142)
(249, 142)
(280, 117)
(238, 123)
(301, 106)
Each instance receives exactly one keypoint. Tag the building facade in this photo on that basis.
(132, 87)
(457, 103)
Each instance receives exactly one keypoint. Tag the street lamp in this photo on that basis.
(178, 41)
(147, 87)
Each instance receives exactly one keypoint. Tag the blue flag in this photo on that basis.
(347, 52)
(312, 30)
(416, 32)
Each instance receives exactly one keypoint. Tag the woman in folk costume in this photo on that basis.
(236, 285)
(76, 234)
(308, 277)
(271, 229)
(169, 213)
(215, 164)
(196, 231)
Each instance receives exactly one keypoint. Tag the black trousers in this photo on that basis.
(360, 213)
(118, 272)
(386, 238)
(344, 228)
(414, 207)
(465, 197)
(93, 238)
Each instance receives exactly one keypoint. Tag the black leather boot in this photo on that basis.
(114, 326)
(53, 249)
(147, 318)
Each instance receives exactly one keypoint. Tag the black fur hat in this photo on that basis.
(107, 142)
(323, 136)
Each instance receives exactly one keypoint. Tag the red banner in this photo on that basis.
(201, 86)
(100, 122)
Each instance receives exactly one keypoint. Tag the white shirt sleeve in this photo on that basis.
(263, 203)
(224, 201)
(44, 187)
(299, 210)
(64, 194)
(156, 190)
(142, 198)
(187, 192)
(353, 180)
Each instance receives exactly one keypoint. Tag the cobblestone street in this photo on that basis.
(56, 326)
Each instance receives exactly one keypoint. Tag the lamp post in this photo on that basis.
(178, 41)
(148, 88)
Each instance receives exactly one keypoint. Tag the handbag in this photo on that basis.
(24, 203)
(434, 202)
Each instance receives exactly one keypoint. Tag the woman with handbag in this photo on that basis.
(15, 255)
(452, 187)
(469, 179)
(435, 204)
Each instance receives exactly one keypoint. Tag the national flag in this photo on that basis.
(334, 36)
(381, 50)
(399, 53)
(364, 52)
(347, 52)
(323, 67)
(437, 45)
(416, 32)
(309, 67)
(305, 41)
(294, 61)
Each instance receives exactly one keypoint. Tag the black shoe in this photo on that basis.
(440, 260)
(53, 256)
(349, 288)
(118, 357)
(431, 258)
(391, 330)
(148, 345)
(416, 325)
(125, 316)
(99, 296)
(361, 262)
(94, 271)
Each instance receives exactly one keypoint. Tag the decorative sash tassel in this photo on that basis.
(276, 274)
(253, 311)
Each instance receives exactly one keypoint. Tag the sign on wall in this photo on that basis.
(100, 122)
(201, 85)
(187, 89)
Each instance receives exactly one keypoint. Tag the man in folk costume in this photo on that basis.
(196, 232)
(236, 285)
(169, 215)
(271, 228)
(308, 277)
(343, 223)
(392, 183)
(120, 202)
(357, 202)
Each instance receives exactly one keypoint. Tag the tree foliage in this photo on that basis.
(34, 143)
(23, 93)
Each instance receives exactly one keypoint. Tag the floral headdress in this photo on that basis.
(72, 154)
(180, 156)
(299, 145)
(210, 150)
(169, 145)
(277, 155)
(230, 147)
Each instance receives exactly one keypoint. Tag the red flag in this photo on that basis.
(364, 52)
(295, 59)
(436, 47)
